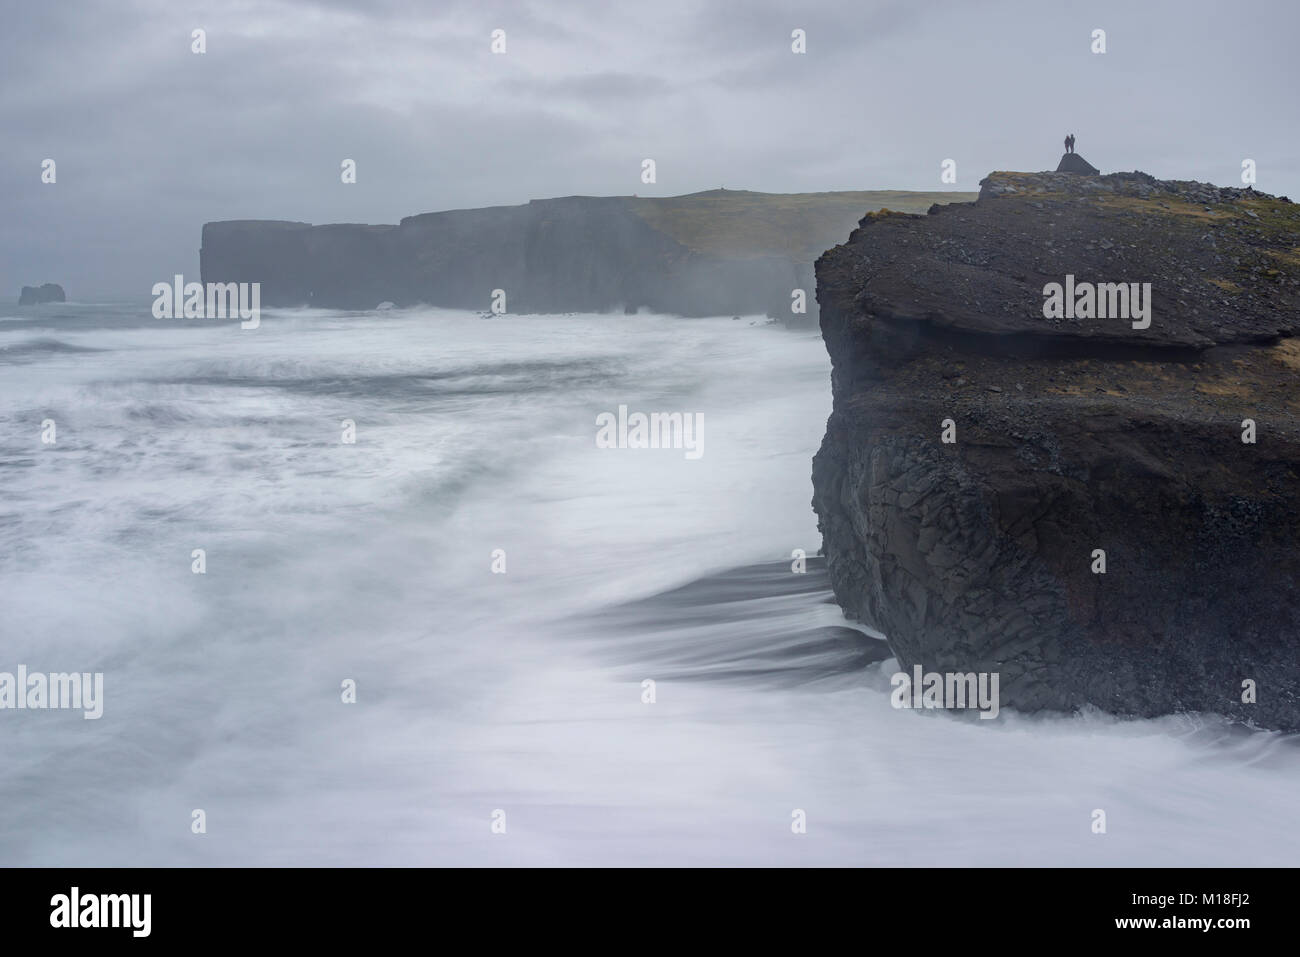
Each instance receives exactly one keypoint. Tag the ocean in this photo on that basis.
(560, 653)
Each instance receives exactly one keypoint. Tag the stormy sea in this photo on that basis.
(365, 589)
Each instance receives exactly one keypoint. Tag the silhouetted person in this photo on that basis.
(1069, 143)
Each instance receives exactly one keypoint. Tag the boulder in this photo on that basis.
(1074, 163)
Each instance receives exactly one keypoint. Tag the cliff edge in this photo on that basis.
(1065, 444)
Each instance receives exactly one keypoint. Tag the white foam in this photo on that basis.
(372, 562)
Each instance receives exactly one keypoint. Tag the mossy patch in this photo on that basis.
(1287, 352)
(1291, 257)
(1164, 206)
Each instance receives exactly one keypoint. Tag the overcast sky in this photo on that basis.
(152, 140)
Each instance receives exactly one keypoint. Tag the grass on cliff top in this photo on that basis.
(1270, 214)
(738, 224)
(1287, 352)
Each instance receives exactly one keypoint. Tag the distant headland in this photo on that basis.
(718, 252)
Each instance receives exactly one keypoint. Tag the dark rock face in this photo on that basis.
(722, 252)
(1074, 163)
(576, 255)
(1073, 435)
(34, 295)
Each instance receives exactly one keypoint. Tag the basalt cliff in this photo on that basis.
(1100, 507)
(720, 252)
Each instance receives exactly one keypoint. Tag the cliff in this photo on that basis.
(1073, 438)
(720, 252)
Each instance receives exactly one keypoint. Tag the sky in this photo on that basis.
(150, 139)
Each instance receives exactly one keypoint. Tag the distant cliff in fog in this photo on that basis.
(719, 252)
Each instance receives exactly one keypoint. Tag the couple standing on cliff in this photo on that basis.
(1069, 143)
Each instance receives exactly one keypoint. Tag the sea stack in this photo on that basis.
(34, 295)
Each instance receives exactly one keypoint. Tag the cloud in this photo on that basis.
(589, 87)
(152, 140)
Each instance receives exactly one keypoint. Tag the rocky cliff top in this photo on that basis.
(1223, 263)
